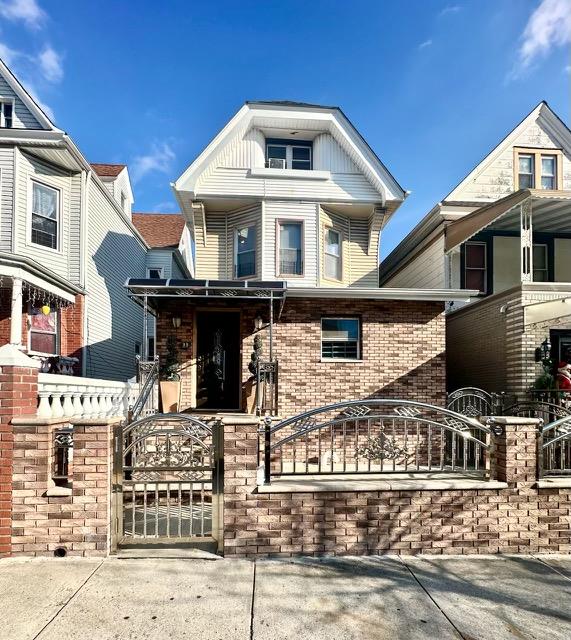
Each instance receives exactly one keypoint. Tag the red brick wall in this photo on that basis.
(403, 350)
(517, 519)
(18, 396)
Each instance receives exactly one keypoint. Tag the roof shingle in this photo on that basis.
(107, 170)
(160, 229)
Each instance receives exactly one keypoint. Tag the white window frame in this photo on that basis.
(159, 269)
(484, 269)
(359, 321)
(553, 176)
(531, 156)
(546, 270)
(4, 101)
(326, 230)
(254, 251)
(57, 334)
(289, 154)
(58, 248)
(279, 224)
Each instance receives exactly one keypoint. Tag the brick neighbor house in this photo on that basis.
(285, 207)
(504, 230)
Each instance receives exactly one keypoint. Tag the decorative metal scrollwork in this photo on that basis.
(305, 424)
(356, 411)
(407, 412)
(382, 448)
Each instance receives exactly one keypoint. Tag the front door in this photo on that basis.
(218, 357)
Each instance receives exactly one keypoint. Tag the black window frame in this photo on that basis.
(358, 357)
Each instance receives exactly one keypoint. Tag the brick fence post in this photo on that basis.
(514, 452)
(18, 397)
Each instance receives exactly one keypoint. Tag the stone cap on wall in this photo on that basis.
(11, 356)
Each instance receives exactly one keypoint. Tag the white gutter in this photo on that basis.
(384, 293)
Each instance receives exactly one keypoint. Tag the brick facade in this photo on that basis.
(518, 519)
(403, 346)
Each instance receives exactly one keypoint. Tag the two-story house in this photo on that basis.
(67, 245)
(285, 207)
(505, 231)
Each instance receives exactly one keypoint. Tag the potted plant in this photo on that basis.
(170, 378)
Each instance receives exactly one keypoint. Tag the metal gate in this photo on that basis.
(168, 482)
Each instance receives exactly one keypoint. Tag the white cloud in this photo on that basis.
(567, 69)
(51, 65)
(451, 8)
(26, 11)
(43, 106)
(159, 159)
(164, 207)
(426, 43)
(10, 56)
(549, 26)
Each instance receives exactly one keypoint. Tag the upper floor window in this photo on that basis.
(332, 254)
(475, 266)
(245, 260)
(283, 154)
(6, 114)
(45, 215)
(340, 338)
(155, 273)
(44, 331)
(290, 254)
(538, 170)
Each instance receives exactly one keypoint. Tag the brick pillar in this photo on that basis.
(240, 468)
(514, 453)
(18, 397)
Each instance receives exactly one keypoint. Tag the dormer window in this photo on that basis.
(6, 114)
(287, 154)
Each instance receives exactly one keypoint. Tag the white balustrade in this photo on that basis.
(74, 397)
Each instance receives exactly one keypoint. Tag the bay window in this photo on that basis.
(290, 249)
(245, 253)
(332, 255)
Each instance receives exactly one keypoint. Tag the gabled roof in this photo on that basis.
(107, 170)
(332, 118)
(160, 230)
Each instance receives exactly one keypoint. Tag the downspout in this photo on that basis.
(83, 263)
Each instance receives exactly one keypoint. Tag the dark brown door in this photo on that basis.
(218, 351)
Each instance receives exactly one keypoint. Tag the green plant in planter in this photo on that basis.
(546, 379)
(171, 367)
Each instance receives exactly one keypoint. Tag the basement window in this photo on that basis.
(340, 338)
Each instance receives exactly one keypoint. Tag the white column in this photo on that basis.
(16, 313)
(526, 231)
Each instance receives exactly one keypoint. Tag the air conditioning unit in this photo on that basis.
(277, 163)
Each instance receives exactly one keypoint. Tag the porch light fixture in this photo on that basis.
(543, 352)
(176, 322)
(258, 323)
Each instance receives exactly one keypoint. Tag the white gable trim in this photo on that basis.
(549, 122)
(338, 125)
(26, 98)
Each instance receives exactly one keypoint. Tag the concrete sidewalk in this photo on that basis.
(497, 597)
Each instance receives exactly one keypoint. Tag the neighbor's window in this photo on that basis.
(540, 268)
(290, 249)
(45, 214)
(340, 338)
(332, 257)
(245, 263)
(475, 266)
(280, 154)
(6, 114)
(548, 167)
(526, 179)
(43, 331)
(155, 273)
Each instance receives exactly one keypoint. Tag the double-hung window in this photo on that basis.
(548, 172)
(290, 253)
(340, 338)
(526, 176)
(538, 170)
(45, 215)
(6, 114)
(245, 262)
(44, 330)
(475, 266)
(281, 154)
(540, 265)
(332, 255)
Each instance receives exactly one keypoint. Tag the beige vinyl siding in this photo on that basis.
(211, 250)
(247, 217)
(331, 220)
(495, 179)
(29, 168)
(6, 197)
(363, 254)
(425, 271)
(306, 212)
(114, 321)
(22, 118)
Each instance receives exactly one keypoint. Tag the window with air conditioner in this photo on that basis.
(284, 154)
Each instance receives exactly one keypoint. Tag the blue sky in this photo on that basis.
(432, 85)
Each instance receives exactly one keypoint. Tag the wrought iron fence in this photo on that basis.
(375, 436)
(267, 388)
(555, 443)
(474, 402)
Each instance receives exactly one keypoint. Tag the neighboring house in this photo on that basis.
(504, 231)
(67, 245)
(169, 254)
(285, 207)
